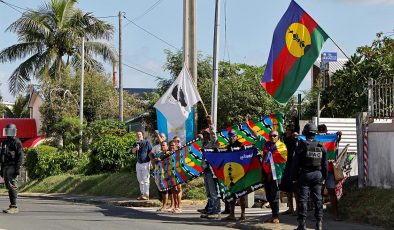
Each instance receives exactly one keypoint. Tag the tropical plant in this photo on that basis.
(50, 40)
(348, 93)
(20, 109)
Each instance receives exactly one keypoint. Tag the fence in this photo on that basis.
(381, 98)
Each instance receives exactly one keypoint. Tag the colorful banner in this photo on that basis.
(275, 161)
(330, 143)
(237, 172)
(262, 125)
(180, 167)
(296, 44)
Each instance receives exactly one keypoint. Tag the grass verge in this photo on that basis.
(114, 185)
(368, 205)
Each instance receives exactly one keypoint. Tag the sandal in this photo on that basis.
(275, 221)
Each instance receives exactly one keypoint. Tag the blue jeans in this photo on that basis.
(212, 194)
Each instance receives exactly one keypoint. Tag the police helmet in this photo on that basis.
(309, 129)
(9, 130)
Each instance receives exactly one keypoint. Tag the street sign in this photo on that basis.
(329, 57)
(324, 66)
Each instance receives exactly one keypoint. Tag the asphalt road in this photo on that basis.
(36, 213)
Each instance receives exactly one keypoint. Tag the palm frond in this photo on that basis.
(20, 51)
(102, 49)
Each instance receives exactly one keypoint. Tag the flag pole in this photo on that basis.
(215, 77)
(195, 87)
(342, 51)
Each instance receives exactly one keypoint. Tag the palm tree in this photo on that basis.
(50, 40)
(20, 109)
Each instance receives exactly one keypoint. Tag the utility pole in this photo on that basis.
(120, 68)
(81, 97)
(190, 45)
(214, 106)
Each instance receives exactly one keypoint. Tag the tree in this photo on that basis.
(62, 99)
(348, 93)
(240, 92)
(50, 40)
(19, 109)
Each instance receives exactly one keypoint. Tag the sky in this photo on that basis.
(246, 29)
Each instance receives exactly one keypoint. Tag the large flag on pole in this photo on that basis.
(185, 131)
(296, 44)
(177, 102)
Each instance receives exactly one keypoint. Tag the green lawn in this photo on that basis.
(368, 205)
(116, 185)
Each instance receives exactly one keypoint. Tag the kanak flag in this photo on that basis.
(296, 44)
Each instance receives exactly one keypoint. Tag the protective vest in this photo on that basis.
(313, 156)
(9, 152)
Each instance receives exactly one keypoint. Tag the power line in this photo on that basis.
(225, 34)
(111, 16)
(14, 7)
(157, 37)
(141, 71)
(148, 10)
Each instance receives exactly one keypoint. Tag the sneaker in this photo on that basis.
(144, 197)
(11, 210)
(139, 198)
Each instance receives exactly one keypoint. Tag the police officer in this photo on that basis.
(310, 169)
(11, 161)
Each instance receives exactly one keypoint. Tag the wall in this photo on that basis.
(381, 155)
(35, 104)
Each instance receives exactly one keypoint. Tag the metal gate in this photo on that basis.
(381, 98)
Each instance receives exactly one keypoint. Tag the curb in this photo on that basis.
(121, 202)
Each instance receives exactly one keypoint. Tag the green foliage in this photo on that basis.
(97, 129)
(44, 161)
(20, 108)
(112, 153)
(68, 130)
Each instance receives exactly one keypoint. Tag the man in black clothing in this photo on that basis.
(310, 169)
(11, 161)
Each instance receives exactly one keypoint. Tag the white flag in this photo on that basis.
(176, 103)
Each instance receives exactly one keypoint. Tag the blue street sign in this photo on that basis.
(329, 57)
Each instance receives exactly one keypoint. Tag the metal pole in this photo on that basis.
(318, 106)
(215, 64)
(185, 32)
(81, 97)
(120, 69)
(193, 53)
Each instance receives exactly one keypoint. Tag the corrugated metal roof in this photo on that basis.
(334, 66)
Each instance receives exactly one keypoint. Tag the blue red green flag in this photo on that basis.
(237, 172)
(296, 44)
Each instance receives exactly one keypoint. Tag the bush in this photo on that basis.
(44, 161)
(111, 153)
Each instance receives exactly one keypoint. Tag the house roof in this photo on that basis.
(334, 66)
(26, 127)
(139, 91)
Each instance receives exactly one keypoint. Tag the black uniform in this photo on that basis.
(11, 161)
(310, 169)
